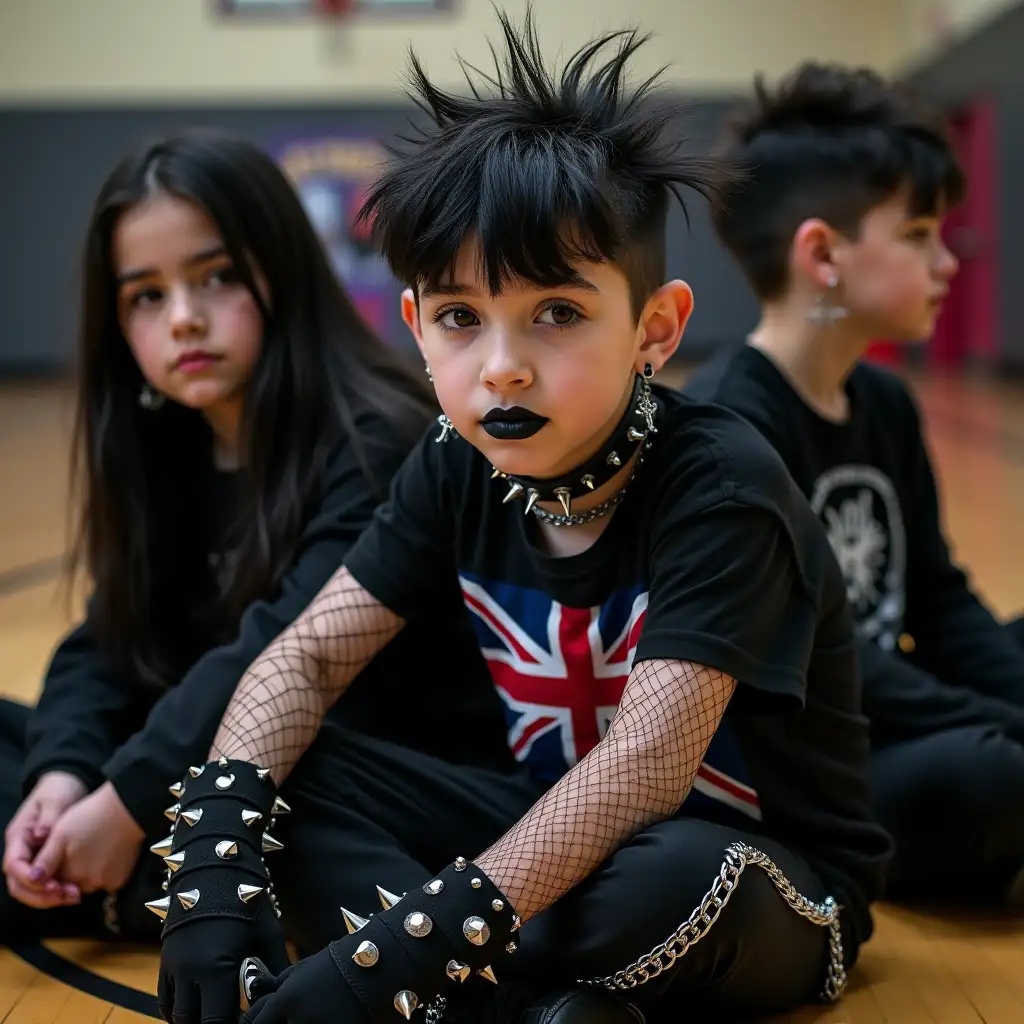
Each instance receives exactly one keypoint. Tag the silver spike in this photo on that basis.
(192, 817)
(588, 481)
(196, 772)
(164, 847)
(531, 499)
(353, 922)
(174, 861)
(223, 762)
(514, 491)
(564, 495)
(418, 924)
(458, 971)
(251, 817)
(188, 899)
(262, 773)
(476, 930)
(406, 1002)
(225, 781)
(497, 906)
(433, 887)
(614, 460)
(516, 923)
(270, 844)
(635, 435)
(366, 955)
(176, 790)
(497, 474)
(160, 906)
(226, 849)
(460, 863)
(171, 813)
(387, 899)
(249, 892)
(280, 807)
(488, 973)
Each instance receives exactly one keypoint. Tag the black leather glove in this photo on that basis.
(424, 946)
(220, 906)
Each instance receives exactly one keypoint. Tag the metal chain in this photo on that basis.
(737, 857)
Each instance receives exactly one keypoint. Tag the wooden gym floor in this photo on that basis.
(920, 969)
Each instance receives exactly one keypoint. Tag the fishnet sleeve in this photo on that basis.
(280, 703)
(637, 775)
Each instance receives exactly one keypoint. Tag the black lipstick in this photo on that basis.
(515, 424)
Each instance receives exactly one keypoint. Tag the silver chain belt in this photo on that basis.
(737, 857)
(660, 959)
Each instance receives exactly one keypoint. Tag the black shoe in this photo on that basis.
(581, 1006)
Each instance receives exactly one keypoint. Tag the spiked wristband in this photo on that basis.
(426, 942)
(215, 853)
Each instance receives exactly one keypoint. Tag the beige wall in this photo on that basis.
(931, 25)
(174, 50)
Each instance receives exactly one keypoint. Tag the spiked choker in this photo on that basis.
(631, 434)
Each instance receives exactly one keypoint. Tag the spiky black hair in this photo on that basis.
(540, 170)
(828, 142)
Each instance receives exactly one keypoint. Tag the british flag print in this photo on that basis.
(560, 672)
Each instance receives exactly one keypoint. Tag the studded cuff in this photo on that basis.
(220, 832)
(427, 941)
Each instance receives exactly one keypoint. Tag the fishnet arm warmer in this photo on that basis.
(280, 703)
(637, 775)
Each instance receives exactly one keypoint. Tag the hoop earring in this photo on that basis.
(150, 399)
(648, 371)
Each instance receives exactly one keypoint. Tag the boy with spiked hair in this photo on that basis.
(663, 619)
(837, 225)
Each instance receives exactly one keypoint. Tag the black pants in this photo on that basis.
(368, 813)
(954, 803)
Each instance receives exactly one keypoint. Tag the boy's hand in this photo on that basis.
(94, 845)
(28, 831)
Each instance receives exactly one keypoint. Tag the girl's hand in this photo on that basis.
(94, 845)
(26, 833)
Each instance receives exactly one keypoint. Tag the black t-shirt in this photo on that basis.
(869, 479)
(95, 723)
(713, 557)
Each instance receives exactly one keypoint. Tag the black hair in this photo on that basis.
(540, 170)
(320, 369)
(828, 142)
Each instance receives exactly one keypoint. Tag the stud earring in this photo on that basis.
(825, 312)
(430, 376)
(150, 399)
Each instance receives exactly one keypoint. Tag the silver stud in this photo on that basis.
(497, 906)
(191, 817)
(406, 1002)
(460, 863)
(188, 899)
(262, 773)
(635, 435)
(614, 460)
(488, 973)
(513, 492)
(476, 930)
(160, 906)
(353, 922)
(176, 790)
(164, 884)
(387, 899)
(280, 807)
(476, 883)
(226, 850)
(196, 772)
(432, 888)
(366, 955)
(174, 861)
(270, 844)
(588, 482)
(251, 817)
(418, 925)
(511, 947)
(171, 812)
(223, 762)
(458, 971)
(225, 782)
(531, 499)
(164, 847)
(249, 892)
